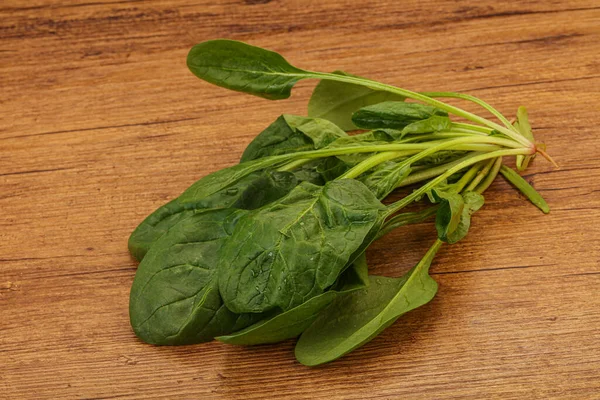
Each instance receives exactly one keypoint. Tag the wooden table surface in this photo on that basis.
(101, 122)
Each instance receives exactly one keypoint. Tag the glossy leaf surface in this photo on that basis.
(174, 298)
(293, 249)
(293, 322)
(244, 68)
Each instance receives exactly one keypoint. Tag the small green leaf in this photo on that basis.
(525, 188)
(224, 178)
(354, 319)
(337, 101)
(408, 218)
(331, 168)
(291, 133)
(320, 171)
(523, 123)
(453, 217)
(440, 157)
(473, 202)
(449, 214)
(524, 128)
(239, 66)
(393, 115)
(435, 123)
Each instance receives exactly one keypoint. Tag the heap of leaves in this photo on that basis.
(274, 247)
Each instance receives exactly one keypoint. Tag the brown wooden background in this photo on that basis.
(100, 123)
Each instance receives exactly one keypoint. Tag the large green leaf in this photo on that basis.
(293, 322)
(337, 101)
(239, 66)
(249, 192)
(174, 298)
(281, 255)
(354, 319)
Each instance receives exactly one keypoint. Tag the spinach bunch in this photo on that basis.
(274, 247)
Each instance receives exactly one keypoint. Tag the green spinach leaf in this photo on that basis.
(393, 115)
(174, 297)
(239, 66)
(354, 319)
(453, 217)
(291, 133)
(435, 123)
(440, 157)
(525, 188)
(249, 192)
(293, 322)
(293, 249)
(337, 101)
(321, 170)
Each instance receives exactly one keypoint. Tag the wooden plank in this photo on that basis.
(100, 123)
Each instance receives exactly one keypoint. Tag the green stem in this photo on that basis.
(405, 219)
(466, 178)
(474, 143)
(472, 127)
(369, 163)
(427, 100)
(395, 207)
(468, 131)
(475, 100)
(434, 136)
(482, 174)
(490, 177)
(429, 173)
(443, 145)
(294, 164)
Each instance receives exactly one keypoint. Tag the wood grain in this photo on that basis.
(100, 123)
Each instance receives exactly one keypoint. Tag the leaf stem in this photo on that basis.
(293, 164)
(473, 99)
(466, 178)
(480, 175)
(427, 100)
(477, 128)
(405, 219)
(369, 163)
(442, 145)
(547, 157)
(435, 171)
(482, 187)
(395, 207)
